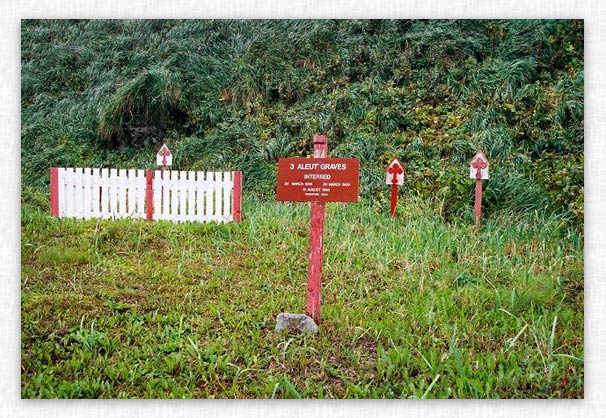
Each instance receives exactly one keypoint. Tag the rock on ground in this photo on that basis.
(296, 321)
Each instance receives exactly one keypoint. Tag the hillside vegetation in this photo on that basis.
(241, 94)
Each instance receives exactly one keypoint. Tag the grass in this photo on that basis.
(411, 308)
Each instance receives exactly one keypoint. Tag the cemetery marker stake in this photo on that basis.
(478, 169)
(316, 242)
(395, 177)
(163, 158)
(317, 180)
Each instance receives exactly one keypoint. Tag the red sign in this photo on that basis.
(318, 179)
(395, 172)
(164, 156)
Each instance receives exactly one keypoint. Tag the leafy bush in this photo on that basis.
(230, 94)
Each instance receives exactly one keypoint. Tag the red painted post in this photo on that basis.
(237, 198)
(394, 200)
(316, 242)
(54, 191)
(395, 168)
(478, 164)
(149, 196)
(477, 209)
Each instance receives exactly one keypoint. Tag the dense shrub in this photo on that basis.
(241, 94)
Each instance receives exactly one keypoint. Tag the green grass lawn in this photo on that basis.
(413, 307)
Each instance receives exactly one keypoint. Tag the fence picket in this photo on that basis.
(103, 206)
(139, 194)
(191, 196)
(130, 194)
(62, 191)
(209, 195)
(181, 196)
(86, 194)
(227, 188)
(95, 194)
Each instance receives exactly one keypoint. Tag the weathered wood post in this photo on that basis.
(149, 195)
(54, 191)
(316, 180)
(478, 169)
(316, 242)
(395, 177)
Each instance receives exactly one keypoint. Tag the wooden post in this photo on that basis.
(54, 191)
(395, 169)
(237, 197)
(478, 164)
(149, 196)
(477, 209)
(394, 200)
(316, 242)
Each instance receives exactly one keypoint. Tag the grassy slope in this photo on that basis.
(241, 94)
(411, 308)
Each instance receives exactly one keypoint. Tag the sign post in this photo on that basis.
(395, 177)
(317, 180)
(316, 242)
(478, 170)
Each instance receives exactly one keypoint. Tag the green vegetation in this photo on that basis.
(241, 94)
(415, 307)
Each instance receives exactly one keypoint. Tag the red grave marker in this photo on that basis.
(164, 157)
(478, 170)
(317, 180)
(395, 177)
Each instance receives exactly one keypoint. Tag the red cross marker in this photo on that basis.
(395, 177)
(163, 158)
(395, 170)
(478, 170)
(164, 152)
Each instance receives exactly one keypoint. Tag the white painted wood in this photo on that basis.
(159, 186)
(181, 196)
(191, 197)
(227, 188)
(122, 182)
(95, 193)
(209, 196)
(69, 186)
(199, 186)
(103, 184)
(62, 191)
(130, 193)
(138, 187)
(77, 190)
(174, 196)
(113, 193)
(217, 198)
(86, 193)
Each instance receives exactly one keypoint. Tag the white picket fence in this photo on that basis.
(178, 196)
(193, 196)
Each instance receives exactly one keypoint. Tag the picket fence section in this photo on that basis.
(193, 196)
(177, 196)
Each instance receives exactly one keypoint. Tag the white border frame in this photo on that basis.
(594, 13)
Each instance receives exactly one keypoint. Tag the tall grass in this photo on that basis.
(412, 307)
(240, 94)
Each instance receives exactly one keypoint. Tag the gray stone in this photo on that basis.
(296, 321)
